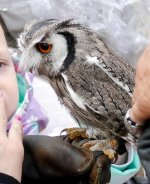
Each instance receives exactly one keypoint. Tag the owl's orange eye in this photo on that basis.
(44, 47)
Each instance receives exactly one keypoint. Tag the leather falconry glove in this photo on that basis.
(53, 160)
(100, 172)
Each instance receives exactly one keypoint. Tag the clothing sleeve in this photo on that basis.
(6, 179)
(144, 148)
(122, 173)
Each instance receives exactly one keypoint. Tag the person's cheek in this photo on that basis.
(12, 96)
(11, 106)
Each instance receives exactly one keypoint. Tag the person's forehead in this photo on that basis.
(3, 45)
(2, 38)
(1, 31)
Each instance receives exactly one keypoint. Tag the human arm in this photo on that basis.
(140, 110)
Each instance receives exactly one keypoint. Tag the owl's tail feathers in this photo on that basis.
(133, 139)
(132, 133)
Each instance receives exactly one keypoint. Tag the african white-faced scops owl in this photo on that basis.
(91, 81)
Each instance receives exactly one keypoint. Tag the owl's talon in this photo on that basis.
(75, 132)
(108, 146)
(111, 154)
(115, 158)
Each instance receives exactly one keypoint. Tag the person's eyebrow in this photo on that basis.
(2, 59)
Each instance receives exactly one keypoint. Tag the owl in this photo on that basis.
(89, 79)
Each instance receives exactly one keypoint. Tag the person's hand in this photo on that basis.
(11, 147)
(141, 97)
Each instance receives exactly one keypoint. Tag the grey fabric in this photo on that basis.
(144, 148)
(13, 17)
(15, 22)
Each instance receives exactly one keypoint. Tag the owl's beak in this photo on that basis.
(31, 70)
(34, 71)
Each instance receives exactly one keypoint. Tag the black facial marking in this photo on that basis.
(71, 41)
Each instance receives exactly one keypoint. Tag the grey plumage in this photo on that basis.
(94, 83)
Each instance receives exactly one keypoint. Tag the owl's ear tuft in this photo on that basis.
(30, 24)
(66, 24)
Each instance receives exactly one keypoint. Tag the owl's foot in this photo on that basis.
(75, 132)
(108, 146)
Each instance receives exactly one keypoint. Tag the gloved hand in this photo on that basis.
(100, 171)
(53, 160)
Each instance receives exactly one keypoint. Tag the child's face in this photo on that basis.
(8, 81)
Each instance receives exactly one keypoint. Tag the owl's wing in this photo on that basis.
(96, 97)
(78, 112)
(86, 115)
(115, 67)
